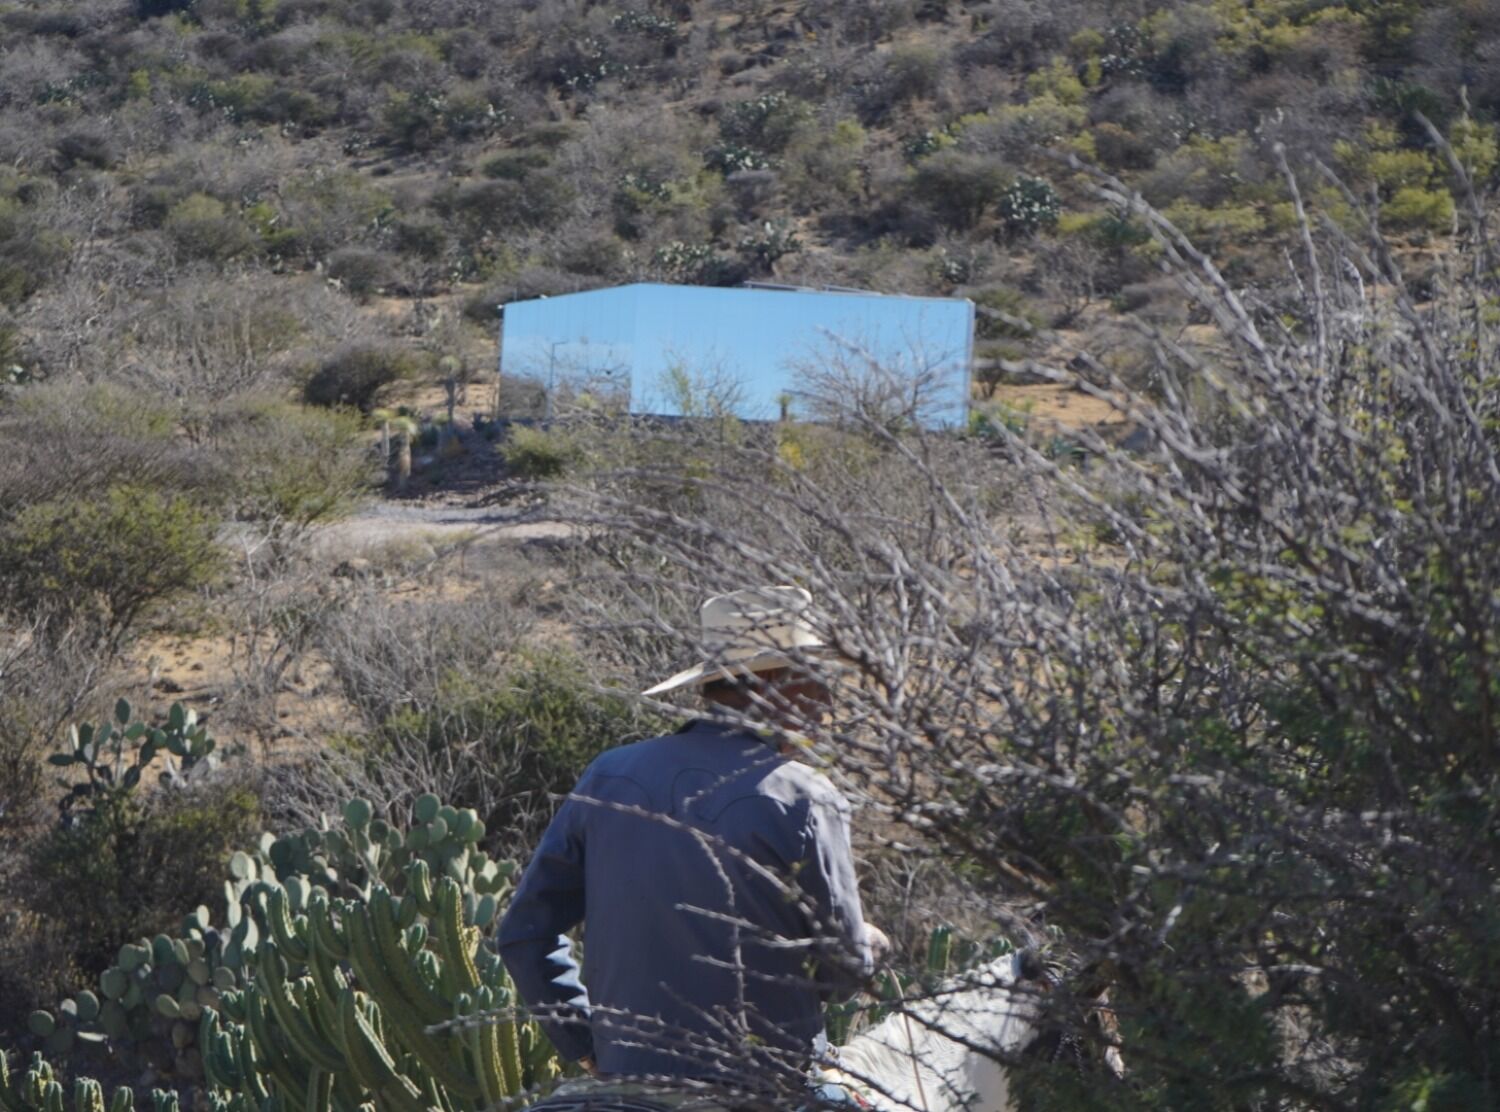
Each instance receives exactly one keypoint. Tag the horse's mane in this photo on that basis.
(923, 1057)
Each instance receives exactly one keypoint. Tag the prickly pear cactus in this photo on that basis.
(150, 1000)
(348, 858)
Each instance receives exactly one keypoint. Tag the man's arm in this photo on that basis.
(844, 958)
(533, 936)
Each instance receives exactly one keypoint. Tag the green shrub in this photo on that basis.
(413, 121)
(86, 146)
(131, 438)
(1016, 131)
(959, 187)
(10, 347)
(422, 236)
(290, 466)
(360, 271)
(106, 559)
(132, 865)
(29, 254)
(261, 98)
(1024, 320)
(320, 213)
(537, 200)
(1414, 208)
(151, 9)
(1395, 170)
(534, 731)
(1476, 146)
(537, 454)
(904, 73)
(357, 375)
(1226, 225)
(513, 165)
(1057, 81)
(202, 227)
(1121, 149)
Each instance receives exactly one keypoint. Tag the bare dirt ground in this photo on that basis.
(1058, 407)
(445, 543)
(477, 532)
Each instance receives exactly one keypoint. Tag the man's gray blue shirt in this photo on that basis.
(716, 886)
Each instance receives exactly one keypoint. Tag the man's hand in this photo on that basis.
(586, 1063)
(880, 945)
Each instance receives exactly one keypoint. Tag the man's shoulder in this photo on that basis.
(661, 758)
(646, 762)
(619, 757)
(811, 783)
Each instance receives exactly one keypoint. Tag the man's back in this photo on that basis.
(712, 874)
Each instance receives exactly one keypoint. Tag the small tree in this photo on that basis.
(106, 560)
(959, 187)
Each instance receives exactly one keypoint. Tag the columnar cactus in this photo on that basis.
(349, 966)
(39, 1090)
(152, 997)
(390, 998)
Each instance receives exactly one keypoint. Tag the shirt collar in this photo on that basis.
(709, 727)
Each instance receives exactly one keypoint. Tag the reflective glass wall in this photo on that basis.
(697, 351)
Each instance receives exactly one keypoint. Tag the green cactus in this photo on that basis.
(39, 1090)
(418, 1018)
(940, 950)
(113, 756)
(348, 967)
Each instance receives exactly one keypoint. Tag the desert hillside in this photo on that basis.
(1174, 668)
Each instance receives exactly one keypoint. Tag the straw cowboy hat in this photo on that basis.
(747, 631)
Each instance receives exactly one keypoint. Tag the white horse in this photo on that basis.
(938, 1054)
(935, 1054)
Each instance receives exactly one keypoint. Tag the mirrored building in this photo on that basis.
(756, 352)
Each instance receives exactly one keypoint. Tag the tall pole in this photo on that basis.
(551, 380)
(499, 357)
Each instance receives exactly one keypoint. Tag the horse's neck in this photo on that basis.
(926, 1060)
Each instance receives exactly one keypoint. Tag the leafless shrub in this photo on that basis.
(753, 190)
(206, 339)
(47, 673)
(845, 382)
(391, 656)
(457, 698)
(273, 613)
(128, 433)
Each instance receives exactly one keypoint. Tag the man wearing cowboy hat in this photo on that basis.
(712, 874)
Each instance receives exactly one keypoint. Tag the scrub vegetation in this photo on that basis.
(1185, 679)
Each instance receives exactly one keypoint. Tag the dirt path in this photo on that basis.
(439, 523)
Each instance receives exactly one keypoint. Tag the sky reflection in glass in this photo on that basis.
(690, 350)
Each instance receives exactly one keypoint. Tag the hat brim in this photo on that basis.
(704, 673)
